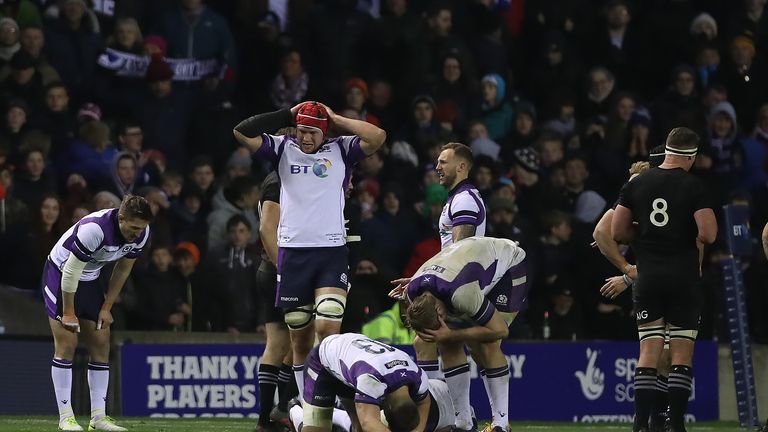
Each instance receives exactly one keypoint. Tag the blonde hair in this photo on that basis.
(639, 168)
(126, 21)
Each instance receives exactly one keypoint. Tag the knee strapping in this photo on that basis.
(681, 333)
(299, 317)
(319, 417)
(330, 307)
(655, 332)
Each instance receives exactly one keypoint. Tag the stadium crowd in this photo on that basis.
(556, 98)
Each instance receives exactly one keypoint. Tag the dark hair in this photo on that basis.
(238, 219)
(683, 138)
(136, 207)
(170, 175)
(460, 150)
(128, 124)
(126, 156)
(554, 219)
(200, 161)
(401, 413)
(56, 84)
(422, 313)
(238, 188)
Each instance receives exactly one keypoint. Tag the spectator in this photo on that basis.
(131, 140)
(600, 91)
(566, 321)
(291, 85)
(523, 133)
(680, 106)
(356, 96)
(454, 87)
(35, 181)
(392, 232)
(24, 82)
(16, 212)
(56, 119)
(116, 91)
(186, 258)
(368, 297)
(9, 39)
(163, 301)
(123, 172)
(163, 114)
(232, 268)
(617, 44)
(32, 42)
(24, 12)
(203, 178)
(240, 198)
(496, 111)
(388, 327)
(14, 127)
(74, 44)
(504, 221)
(745, 79)
(90, 155)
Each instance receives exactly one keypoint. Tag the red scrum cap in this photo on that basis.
(313, 115)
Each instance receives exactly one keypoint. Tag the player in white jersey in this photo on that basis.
(441, 417)
(463, 216)
(314, 171)
(368, 376)
(478, 286)
(75, 302)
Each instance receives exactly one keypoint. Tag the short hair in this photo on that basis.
(127, 156)
(200, 161)
(136, 207)
(401, 413)
(128, 124)
(171, 175)
(239, 187)
(238, 219)
(554, 219)
(56, 84)
(639, 168)
(422, 313)
(460, 150)
(683, 138)
(549, 137)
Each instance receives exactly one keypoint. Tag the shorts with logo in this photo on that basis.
(300, 271)
(266, 284)
(668, 288)
(320, 386)
(88, 299)
(511, 292)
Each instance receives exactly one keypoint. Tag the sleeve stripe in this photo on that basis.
(485, 313)
(84, 250)
(466, 213)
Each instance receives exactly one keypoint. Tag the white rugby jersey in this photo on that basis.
(312, 188)
(372, 368)
(462, 274)
(464, 207)
(96, 239)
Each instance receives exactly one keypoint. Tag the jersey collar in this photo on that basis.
(459, 186)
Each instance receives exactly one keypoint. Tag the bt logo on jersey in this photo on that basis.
(319, 168)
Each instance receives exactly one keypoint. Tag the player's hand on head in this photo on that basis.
(440, 334)
(105, 319)
(70, 323)
(295, 109)
(328, 110)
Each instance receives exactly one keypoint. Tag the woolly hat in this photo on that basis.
(192, 249)
(356, 83)
(527, 159)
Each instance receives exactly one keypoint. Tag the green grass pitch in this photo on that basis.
(134, 424)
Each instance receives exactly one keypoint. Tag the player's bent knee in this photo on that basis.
(682, 334)
(653, 332)
(299, 317)
(319, 417)
(330, 307)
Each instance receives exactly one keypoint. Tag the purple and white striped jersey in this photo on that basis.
(312, 188)
(465, 273)
(464, 207)
(96, 239)
(372, 368)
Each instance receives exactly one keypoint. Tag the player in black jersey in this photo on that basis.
(666, 216)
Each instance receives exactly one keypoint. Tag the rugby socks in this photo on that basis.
(487, 389)
(341, 418)
(298, 372)
(98, 383)
(284, 379)
(268, 382)
(61, 374)
(645, 392)
(660, 402)
(432, 368)
(457, 379)
(680, 384)
(498, 387)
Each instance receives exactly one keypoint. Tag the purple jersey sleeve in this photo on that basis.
(350, 144)
(271, 147)
(465, 210)
(86, 239)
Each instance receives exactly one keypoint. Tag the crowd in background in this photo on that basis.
(556, 98)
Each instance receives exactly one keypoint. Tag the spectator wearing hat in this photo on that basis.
(504, 221)
(750, 17)
(524, 132)
(9, 39)
(23, 82)
(531, 191)
(32, 42)
(745, 78)
(163, 114)
(640, 140)
(73, 44)
(704, 28)
(24, 12)
(238, 165)
(565, 317)
(186, 259)
(355, 97)
(496, 112)
(291, 85)
(555, 71)
(14, 127)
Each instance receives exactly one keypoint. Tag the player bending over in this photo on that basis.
(76, 303)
